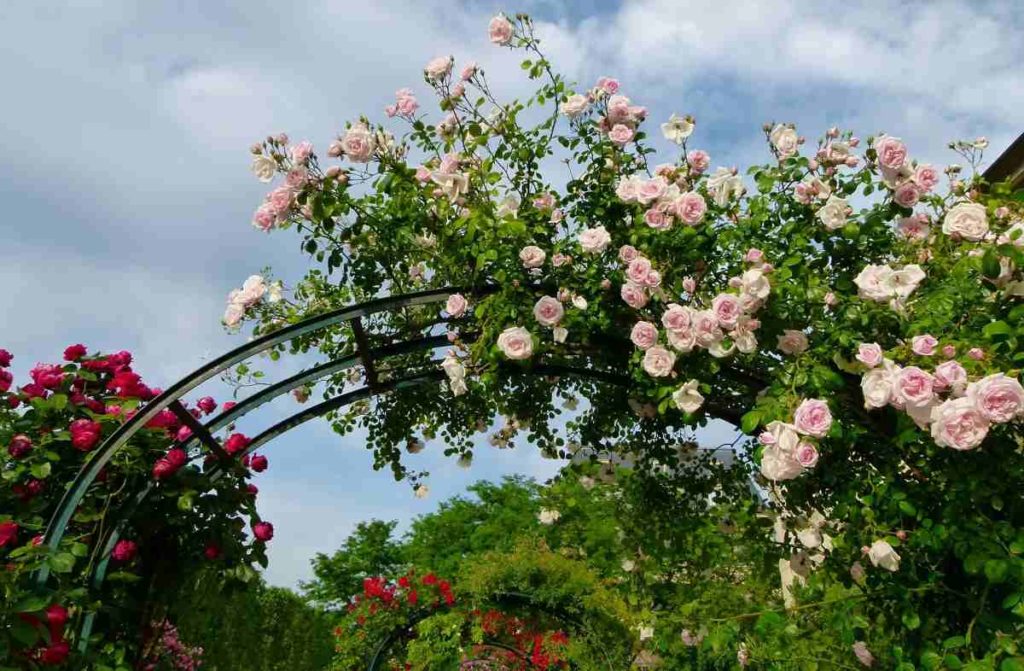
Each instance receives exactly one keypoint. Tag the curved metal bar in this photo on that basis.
(74, 494)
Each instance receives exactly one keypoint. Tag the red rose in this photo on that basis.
(55, 653)
(47, 375)
(5, 380)
(5, 358)
(163, 469)
(20, 446)
(177, 457)
(125, 551)
(236, 443)
(259, 463)
(211, 551)
(8, 533)
(74, 352)
(85, 433)
(207, 404)
(263, 531)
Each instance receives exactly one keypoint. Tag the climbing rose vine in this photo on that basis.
(853, 310)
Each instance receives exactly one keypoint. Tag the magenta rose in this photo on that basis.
(263, 531)
(124, 551)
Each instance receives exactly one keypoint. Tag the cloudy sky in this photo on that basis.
(124, 169)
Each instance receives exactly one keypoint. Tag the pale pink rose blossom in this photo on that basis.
(456, 305)
(608, 85)
(876, 385)
(658, 361)
(653, 280)
(516, 343)
(907, 194)
(532, 256)
(754, 255)
(500, 30)
(620, 134)
(958, 424)
(976, 353)
(595, 240)
(627, 189)
(690, 208)
(950, 375)
(864, 656)
(966, 220)
(634, 295)
(683, 340)
(705, 327)
(676, 318)
(949, 351)
(913, 387)
(638, 270)
(699, 160)
(926, 176)
(358, 143)
(558, 260)
(813, 418)
(265, 217)
(689, 285)
(727, 309)
(792, 342)
(574, 105)
(302, 151)
(997, 397)
(657, 219)
(644, 335)
(830, 299)
(892, 153)
(438, 68)
(651, 190)
(468, 71)
(548, 311)
(422, 174)
(627, 253)
(914, 227)
(806, 454)
(924, 345)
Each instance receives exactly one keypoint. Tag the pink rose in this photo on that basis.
(532, 256)
(792, 342)
(806, 454)
(926, 177)
(689, 285)
(690, 208)
(997, 397)
(638, 270)
(924, 345)
(657, 219)
(456, 305)
(698, 160)
(608, 85)
(914, 228)
(676, 318)
(468, 71)
(727, 310)
(907, 194)
(500, 30)
(627, 253)
(892, 153)
(595, 240)
(302, 151)
(358, 143)
(627, 190)
(976, 353)
(913, 387)
(644, 335)
(950, 375)
(958, 424)
(548, 311)
(864, 656)
(263, 531)
(869, 354)
(620, 134)
(124, 551)
(812, 418)
(558, 260)
(634, 295)
(658, 361)
(438, 68)
(651, 190)
(516, 343)
(653, 279)
(754, 255)
(705, 327)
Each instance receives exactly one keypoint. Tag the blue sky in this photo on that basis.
(126, 191)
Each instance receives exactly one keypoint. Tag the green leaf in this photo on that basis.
(31, 604)
(911, 621)
(62, 562)
(41, 471)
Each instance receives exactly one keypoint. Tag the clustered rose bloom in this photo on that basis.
(882, 283)
(456, 305)
(595, 240)
(789, 449)
(405, 104)
(784, 139)
(666, 202)
(961, 420)
(239, 300)
(85, 433)
(967, 221)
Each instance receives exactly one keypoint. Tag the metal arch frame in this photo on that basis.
(172, 395)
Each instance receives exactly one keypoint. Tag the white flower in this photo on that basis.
(646, 632)
(792, 342)
(677, 128)
(877, 387)
(560, 333)
(548, 517)
(274, 291)
(628, 565)
(723, 185)
(508, 207)
(421, 491)
(873, 282)
(833, 213)
(264, 168)
(516, 343)
(595, 240)
(453, 367)
(574, 106)
(784, 139)
(452, 184)
(579, 302)
(687, 398)
(882, 555)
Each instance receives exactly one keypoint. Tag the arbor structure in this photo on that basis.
(836, 303)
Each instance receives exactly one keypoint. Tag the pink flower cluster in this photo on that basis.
(239, 300)
(168, 648)
(405, 104)
(790, 448)
(728, 316)
(666, 201)
(621, 117)
(958, 411)
(908, 180)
